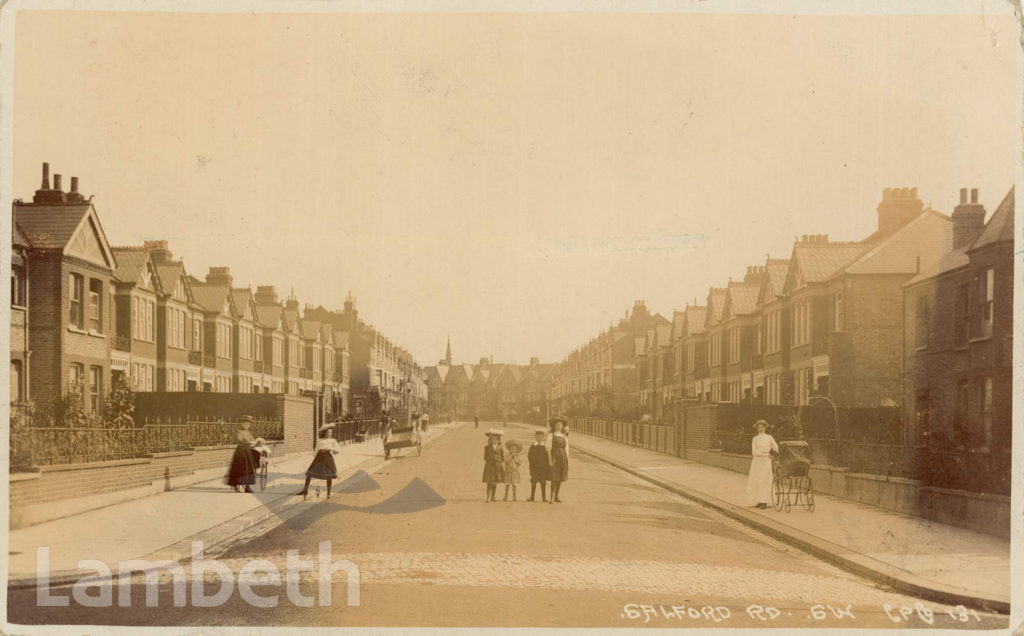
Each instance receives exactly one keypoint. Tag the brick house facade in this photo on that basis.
(70, 273)
(958, 330)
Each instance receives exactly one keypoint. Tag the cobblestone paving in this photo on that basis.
(583, 573)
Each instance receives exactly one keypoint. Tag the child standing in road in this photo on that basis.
(512, 463)
(494, 463)
(538, 458)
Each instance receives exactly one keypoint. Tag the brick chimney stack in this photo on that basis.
(899, 206)
(158, 251)
(220, 276)
(46, 196)
(292, 302)
(968, 219)
(74, 196)
(265, 295)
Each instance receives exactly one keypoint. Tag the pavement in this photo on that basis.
(207, 511)
(912, 555)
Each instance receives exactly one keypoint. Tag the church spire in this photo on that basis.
(448, 351)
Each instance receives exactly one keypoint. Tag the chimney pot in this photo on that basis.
(46, 177)
(963, 195)
(974, 195)
(56, 182)
(803, 238)
(74, 184)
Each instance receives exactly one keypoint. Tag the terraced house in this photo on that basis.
(601, 376)
(68, 316)
(99, 314)
(958, 333)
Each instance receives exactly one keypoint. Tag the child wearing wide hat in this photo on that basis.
(512, 463)
(558, 455)
(323, 466)
(494, 463)
(538, 458)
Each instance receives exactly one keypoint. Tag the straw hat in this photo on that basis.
(325, 427)
(558, 418)
(495, 431)
(245, 422)
(513, 445)
(760, 422)
(260, 441)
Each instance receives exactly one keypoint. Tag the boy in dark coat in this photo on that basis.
(538, 457)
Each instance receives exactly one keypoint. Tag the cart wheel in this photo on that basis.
(263, 477)
(810, 497)
(777, 495)
(786, 503)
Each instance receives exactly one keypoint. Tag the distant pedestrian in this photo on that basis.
(243, 463)
(476, 421)
(538, 458)
(512, 463)
(323, 466)
(494, 463)
(558, 454)
(759, 481)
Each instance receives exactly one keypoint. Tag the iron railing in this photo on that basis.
(195, 357)
(121, 343)
(50, 445)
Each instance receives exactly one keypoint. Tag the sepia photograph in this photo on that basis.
(712, 300)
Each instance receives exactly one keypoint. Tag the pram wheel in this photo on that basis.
(778, 497)
(809, 498)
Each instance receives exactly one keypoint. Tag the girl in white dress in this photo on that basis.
(759, 482)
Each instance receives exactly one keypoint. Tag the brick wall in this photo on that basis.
(700, 424)
(875, 331)
(46, 315)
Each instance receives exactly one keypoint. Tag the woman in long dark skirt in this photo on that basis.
(323, 466)
(245, 460)
(558, 451)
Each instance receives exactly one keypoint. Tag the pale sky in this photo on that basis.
(515, 180)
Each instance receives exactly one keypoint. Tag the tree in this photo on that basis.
(68, 410)
(119, 409)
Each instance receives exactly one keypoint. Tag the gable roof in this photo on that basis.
(741, 298)
(919, 243)
(1000, 227)
(695, 319)
(678, 323)
(242, 297)
(211, 297)
(774, 280)
(55, 227)
(169, 275)
(818, 262)
(19, 238)
(270, 315)
(716, 303)
(130, 263)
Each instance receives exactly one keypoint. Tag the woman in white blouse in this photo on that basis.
(323, 466)
(759, 482)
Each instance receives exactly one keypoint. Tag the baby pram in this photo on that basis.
(791, 484)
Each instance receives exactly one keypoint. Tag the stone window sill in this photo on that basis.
(980, 339)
